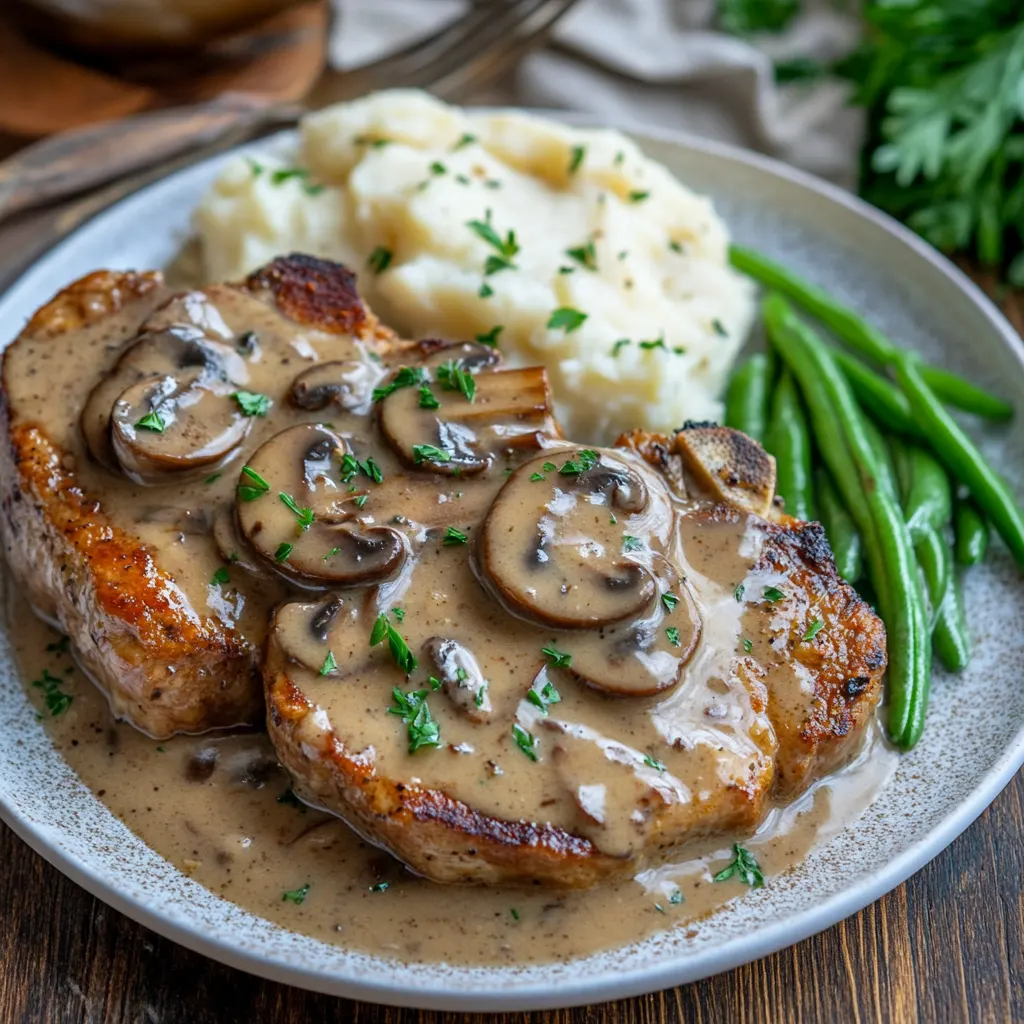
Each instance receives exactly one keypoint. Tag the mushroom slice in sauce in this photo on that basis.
(567, 542)
(511, 409)
(470, 356)
(729, 466)
(461, 679)
(315, 635)
(640, 658)
(345, 384)
(182, 381)
(234, 549)
(302, 523)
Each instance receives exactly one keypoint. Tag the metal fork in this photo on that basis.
(469, 52)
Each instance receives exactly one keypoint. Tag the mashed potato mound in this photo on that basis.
(567, 246)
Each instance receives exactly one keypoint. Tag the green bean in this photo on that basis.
(951, 639)
(876, 394)
(935, 561)
(789, 440)
(861, 336)
(972, 534)
(928, 498)
(887, 470)
(839, 430)
(842, 534)
(746, 398)
(963, 459)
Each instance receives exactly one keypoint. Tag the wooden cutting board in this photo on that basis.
(42, 93)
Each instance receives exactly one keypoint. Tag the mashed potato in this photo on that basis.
(567, 246)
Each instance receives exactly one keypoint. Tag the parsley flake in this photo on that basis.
(576, 158)
(403, 657)
(296, 896)
(585, 255)
(379, 260)
(620, 345)
(748, 644)
(379, 887)
(329, 665)
(256, 488)
(559, 659)
(252, 403)
(744, 866)
(525, 740)
(407, 377)
(452, 376)
(773, 594)
(637, 197)
(464, 140)
(304, 516)
(654, 763)
(486, 291)
(585, 460)
(56, 700)
(632, 543)
(425, 452)
(491, 336)
(672, 632)
(221, 576)
(427, 398)
(813, 630)
(719, 329)
(543, 697)
(453, 536)
(567, 317)
(412, 708)
(151, 421)
(669, 601)
(283, 551)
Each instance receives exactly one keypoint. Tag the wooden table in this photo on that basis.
(946, 947)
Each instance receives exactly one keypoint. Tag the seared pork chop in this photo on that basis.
(106, 523)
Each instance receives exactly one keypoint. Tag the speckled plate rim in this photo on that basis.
(545, 986)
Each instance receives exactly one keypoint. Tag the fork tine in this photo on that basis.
(487, 66)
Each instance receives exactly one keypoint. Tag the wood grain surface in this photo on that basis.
(947, 947)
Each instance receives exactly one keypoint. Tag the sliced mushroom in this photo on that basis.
(566, 542)
(315, 635)
(729, 466)
(345, 384)
(302, 523)
(640, 658)
(511, 409)
(165, 407)
(461, 679)
(468, 355)
(233, 548)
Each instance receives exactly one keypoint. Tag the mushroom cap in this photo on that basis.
(301, 522)
(309, 631)
(346, 384)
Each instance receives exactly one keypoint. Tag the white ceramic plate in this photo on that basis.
(975, 736)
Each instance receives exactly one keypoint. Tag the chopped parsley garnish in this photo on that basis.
(56, 700)
(526, 741)
(543, 697)
(221, 576)
(379, 887)
(748, 644)
(329, 665)
(672, 632)
(251, 403)
(465, 140)
(288, 797)
(256, 489)
(675, 246)
(213, 478)
(567, 270)
(374, 142)
(399, 613)
(585, 255)
(382, 629)
(486, 291)
(744, 865)
(151, 421)
(773, 594)
(435, 683)
(304, 516)
(537, 476)
(299, 174)
(653, 762)
(379, 260)
(412, 709)
(453, 536)
(549, 467)
(514, 913)
(59, 646)
(676, 897)
(814, 629)
(481, 695)
(620, 345)
(632, 543)
(331, 553)
(738, 592)
(437, 168)
(407, 377)
(505, 249)
(452, 377)
(719, 329)
(585, 460)
(559, 659)
(462, 179)
(427, 398)
(296, 895)
(254, 166)
(372, 470)
(567, 317)
(283, 551)
(576, 159)
(360, 500)
(491, 336)
(638, 197)
(423, 452)
(669, 601)
(647, 346)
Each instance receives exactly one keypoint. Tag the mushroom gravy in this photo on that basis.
(220, 809)
(467, 603)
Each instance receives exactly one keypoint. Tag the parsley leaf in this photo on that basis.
(379, 260)
(654, 763)
(744, 865)
(567, 317)
(638, 197)
(329, 665)
(585, 460)
(425, 452)
(506, 248)
(813, 630)
(748, 644)
(221, 576)
(543, 697)
(403, 657)
(525, 741)
(56, 700)
(491, 336)
(283, 551)
(256, 488)
(453, 377)
(585, 255)
(464, 140)
(407, 377)
(296, 895)
(252, 403)
(427, 398)
(453, 536)
(151, 421)
(672, 632)
(669, 601)
(619, 345)
(412, 708)
(773, 594)
(632, 543)
(304, 516)
(559, 659)
(576, 158)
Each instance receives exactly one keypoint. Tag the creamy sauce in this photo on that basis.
(229, 829)
(643, 725)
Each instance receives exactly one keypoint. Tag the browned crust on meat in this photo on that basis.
(659, 452)
(847, 657)
(90, 299)
(423, 827)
